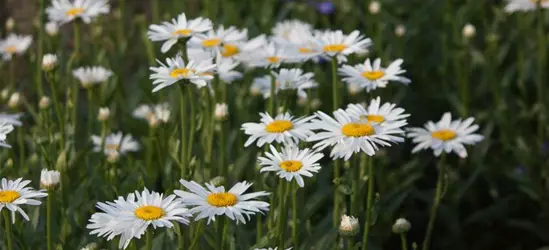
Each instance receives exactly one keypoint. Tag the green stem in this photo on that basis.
(180, 237)
(21, 142)
(541, 32)
(183, 117)
(40, 48)
(74, 90)
(369, 202)
(192, 126)
(51, 80)
(225, 232)
(148, 239)
(286, 187)
(403, 241)
(196, 235)
(337, 164)
(91, 113)
(48, 220)
(11, 83)
(436, 202)
(295, 227)
(7, 224)
(272, 97)
(335, 95)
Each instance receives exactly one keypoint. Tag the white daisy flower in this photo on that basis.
(226, 69)
(52, 28)
(446, 136)
(154, 114)
(90, 76)
(64, 11)
(270, 55)
(335, 43)
(13, 194)
(131, 217)
(115, 143)
(215, 201)
(284, 128)
(13, 119)
(239, 49)
(213, 40)
(525, 5)
(49, 178)
(14, 45)
(288, 79)
(5, 129)
(291, 163)
(285, 28)
(178, 28)
(262, 85)
(376, 114)
(373, 76)
(176, 70)
(348, 134)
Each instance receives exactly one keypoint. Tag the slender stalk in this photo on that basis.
(21, 142)
(295, 227)
(192, 121)
(286, 187)
(40, 47)
(272, 103)
(149, 154)
(180, 237)
(183, 117)
(91, 113)
(436, 203)
(51, 80)
(222, 150)
(541, 33)
(148, 239)
(196, 235)
(48, 220)
(74, 90)
(7, 224)
(403, 241)
(337, 163)
(225, 232)
(11, 83)
(369, 202)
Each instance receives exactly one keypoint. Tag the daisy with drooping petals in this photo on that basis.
(154, 114)
(131, 217)
(213, 40)
(291, 163)
(377, 113)
(446, 136)
(64, 11)
(348, 134)
(373, 76)
(525, 5)
(215, 201)
(288, 79)
(5, 129)
(335, 43)
(13, 194)
(115, 144)
(90, 76)
(176, 70)
(178, 28)
(14, 45)
(284, 128)
(13, 119)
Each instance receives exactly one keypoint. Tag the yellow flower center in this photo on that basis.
(74, 11)
(183, 32)
(279, 126)
(304, 50)
(373, 118)
(8, 196)
(149, 212)
(444, 134)
(180, 72)
(291, 165)
(273, 59)
(222, 199)
(229, 50)
(358, 129)
(113, 147)
(336, 48)
(208, 43)
(11, 49)
(373, 75)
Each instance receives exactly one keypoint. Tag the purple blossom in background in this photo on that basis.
(325, 7)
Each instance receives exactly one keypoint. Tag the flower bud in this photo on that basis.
(49, 179)
(44, 102)
(4, 94)
(154, 122)
(401, 226)
(349, 226)
(10, 24)
(374, 7)
(33, 159)
(218, 181)
(49, 62)
(9, 163)
(221, 111)
(52, 28)
(113, 156)
(315, 104)
(302, 101)
(353, 89)
(13, 102)
(104, 114)
(91, 246)
(469, 31)
(61, 163)
(255, 91)
(400, 30)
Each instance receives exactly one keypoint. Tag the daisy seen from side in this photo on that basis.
(14, 194)
(340, 45)
(179, 28)
(14, 45)
(176, 70)
(64, 11)
(284, 128)
(378, 114)
(91, 76)
(294, 79)
(372, 76)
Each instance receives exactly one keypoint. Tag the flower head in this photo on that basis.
(13, 119)
(49, 179)
(401, 226)
(14, 194)
(64, 11)
(5, 129)
(154, 114)
(115, 144)
(52, 28)
(378, 114)
(90, 76)
(178, 28)
(284, 128)
(14, 45)
(446, 136)
(335, 43)
(291, 163)
(348, 226)
(525, 5)
(290, 79)
(270, 55)
(176, 70)
(213, 40)
(49, 62)
(372, 76)
(215, 201)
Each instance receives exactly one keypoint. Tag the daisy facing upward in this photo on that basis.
(178, 28)
(291, 163)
